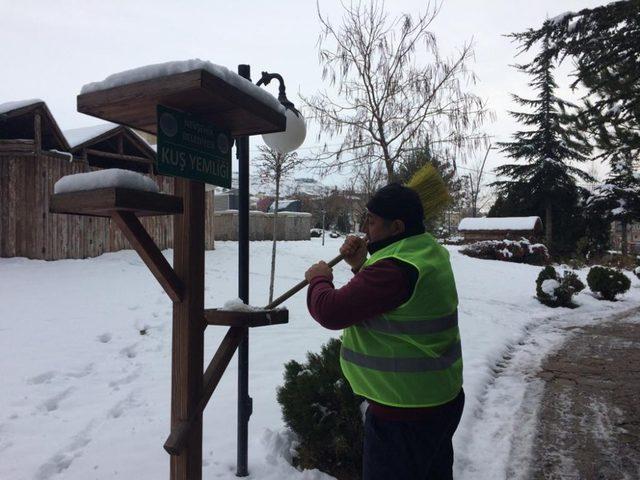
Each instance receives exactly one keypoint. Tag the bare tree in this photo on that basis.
(272, 168)
(388, 101)
(476, 186)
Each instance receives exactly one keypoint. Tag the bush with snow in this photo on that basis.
(607, 282)
(555, 290)
(320, 408)
(519, 251)
(636, 272)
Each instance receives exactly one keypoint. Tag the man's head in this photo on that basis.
(393, 210)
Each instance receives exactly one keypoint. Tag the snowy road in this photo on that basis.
(85, 355)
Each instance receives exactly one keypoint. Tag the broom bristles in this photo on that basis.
(432, 190)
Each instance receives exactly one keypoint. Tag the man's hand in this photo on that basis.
(320, 268)
(354, 250)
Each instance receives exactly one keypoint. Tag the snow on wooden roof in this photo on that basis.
(170, 68)
(18, 122)
(500, 223)
(15, 105)
(78, 136)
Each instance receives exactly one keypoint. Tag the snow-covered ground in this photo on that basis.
(85, 349)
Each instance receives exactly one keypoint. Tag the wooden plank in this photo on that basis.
(188, 328)
(197, 92)
(119, 156)
(219, 363)
(4, 185)
(150, 253)
(258, 318)
(11, 207)
(37, 128)
(16, 146)
(104, 201)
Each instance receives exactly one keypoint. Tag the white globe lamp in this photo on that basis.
(296, 131)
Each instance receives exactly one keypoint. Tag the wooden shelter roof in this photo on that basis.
(17, 122)
(111, 146)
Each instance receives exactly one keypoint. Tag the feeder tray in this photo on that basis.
(103, 202)
(258, 318)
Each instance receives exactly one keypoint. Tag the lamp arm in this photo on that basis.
(282, 96)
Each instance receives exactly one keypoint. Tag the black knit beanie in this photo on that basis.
(397, 202)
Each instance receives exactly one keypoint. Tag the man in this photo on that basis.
(401, 344)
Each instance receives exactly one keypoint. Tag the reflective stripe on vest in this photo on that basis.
(412, 327)
(404, 365)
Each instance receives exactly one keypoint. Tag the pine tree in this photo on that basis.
(604, 44)
(544, 183)
(619, 198)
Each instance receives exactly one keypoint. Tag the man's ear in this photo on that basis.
(397, 227)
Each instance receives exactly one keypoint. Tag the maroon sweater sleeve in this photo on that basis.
(374, 290)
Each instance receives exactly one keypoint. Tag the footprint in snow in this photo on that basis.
(130, 351)
(115, 384)
(62, 460)
(51, 404)
(104, 337)
(86, 370)
(42, 378)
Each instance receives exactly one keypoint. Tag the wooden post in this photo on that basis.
(37, 129)
(188, 327)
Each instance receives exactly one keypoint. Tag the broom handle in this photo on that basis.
(292, 291)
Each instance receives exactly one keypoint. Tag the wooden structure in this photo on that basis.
(135, 105)
(35, 153)
(500, 228)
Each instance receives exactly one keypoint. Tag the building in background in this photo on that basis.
(500, 228)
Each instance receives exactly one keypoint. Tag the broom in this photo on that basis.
(433, 196)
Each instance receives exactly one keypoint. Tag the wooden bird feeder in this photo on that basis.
(199, 93)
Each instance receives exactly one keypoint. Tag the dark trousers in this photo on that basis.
(411, 450)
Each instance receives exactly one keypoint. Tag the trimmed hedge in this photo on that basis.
(319, 406)
(555, 290)
(519, 251)
(607, 282)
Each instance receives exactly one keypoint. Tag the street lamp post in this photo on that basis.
(282, 142)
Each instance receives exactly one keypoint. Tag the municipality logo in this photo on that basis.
(168, 124)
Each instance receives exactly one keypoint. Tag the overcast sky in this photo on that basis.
(51, 48)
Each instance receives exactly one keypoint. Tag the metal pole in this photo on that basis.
(244, 401)
(323, 227)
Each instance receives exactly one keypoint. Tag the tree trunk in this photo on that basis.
(275, 237)
(623, 245)
(548, 225)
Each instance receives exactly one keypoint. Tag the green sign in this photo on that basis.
(191, 148)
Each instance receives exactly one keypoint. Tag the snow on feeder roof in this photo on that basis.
(209, 91)
(500, 223)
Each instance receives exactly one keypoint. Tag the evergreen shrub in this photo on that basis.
(319, 406)
(519, 251)
(607, 282)
(555, 290)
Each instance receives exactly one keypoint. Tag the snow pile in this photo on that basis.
(11, 106)
(109, 178)
(237, 305)
(78, 136)
(171, 68)
(549, 287)
(280, 444)
(498, 223)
